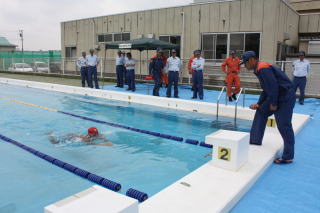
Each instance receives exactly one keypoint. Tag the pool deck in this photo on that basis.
(206, 192)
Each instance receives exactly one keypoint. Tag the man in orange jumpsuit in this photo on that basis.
(190, 70)
(231, 67)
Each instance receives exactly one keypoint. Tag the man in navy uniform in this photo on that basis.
(277, 98)
(155, 67)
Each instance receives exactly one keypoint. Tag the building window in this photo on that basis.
(218, 46)
(113, 37)
(117, 37)
(174, 39)
(125, 36)
(71, 52)
(108, 38)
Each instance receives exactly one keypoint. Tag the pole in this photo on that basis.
(104, 62)
(21, 37)
(140, 64)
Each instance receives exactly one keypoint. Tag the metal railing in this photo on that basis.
(218, 100)
(236, 106)
(212, 74)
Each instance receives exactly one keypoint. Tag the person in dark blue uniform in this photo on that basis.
(155, 67)
(277, 98)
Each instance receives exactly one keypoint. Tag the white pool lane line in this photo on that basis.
(208, 189)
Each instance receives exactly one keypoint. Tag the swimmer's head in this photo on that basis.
(93, 131)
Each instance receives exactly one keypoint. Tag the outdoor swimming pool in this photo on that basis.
(136, 160)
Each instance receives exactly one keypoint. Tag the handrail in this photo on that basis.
(244, 97)
(218, 100)
(236, 107)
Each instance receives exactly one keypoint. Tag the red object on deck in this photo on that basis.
(148, 77)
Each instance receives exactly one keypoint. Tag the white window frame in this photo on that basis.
(97, 40)
(228, 39)
(169, 40)
(70, 57)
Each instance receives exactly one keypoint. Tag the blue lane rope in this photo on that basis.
(77, 171)
(141, 196)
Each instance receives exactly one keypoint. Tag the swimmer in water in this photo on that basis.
(92, 136)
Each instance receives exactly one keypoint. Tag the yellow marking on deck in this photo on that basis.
(29, 104)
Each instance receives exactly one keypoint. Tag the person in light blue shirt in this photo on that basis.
(197, 75)
(120, 69)
(82, 63)
(300, 69)
(93, 62)
(129, 64)
(173, 66)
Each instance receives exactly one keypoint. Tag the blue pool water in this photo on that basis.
(136, 160)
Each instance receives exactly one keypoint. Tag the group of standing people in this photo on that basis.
(125, 71)
(88, 69)
(170, 69)
(167, 70)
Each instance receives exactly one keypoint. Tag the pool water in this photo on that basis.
(136, 160)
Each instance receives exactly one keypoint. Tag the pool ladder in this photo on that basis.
(237, 100)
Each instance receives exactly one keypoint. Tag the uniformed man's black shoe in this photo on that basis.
(301, 103)
(230, 99)
(234, 96)
(193, 97)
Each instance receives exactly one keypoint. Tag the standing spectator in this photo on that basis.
(93, 62)
(197, 75)
(129, 64)
(190, 70)
(155, 67)
(123, 55)
(82, 63)
(232, 71)
(173, 66)
(164, 76)
(120, 69)
(300, 70)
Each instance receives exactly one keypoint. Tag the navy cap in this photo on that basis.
(232, 52)
(159, 49)
(246, 56)
(197, 52)
(302, 53)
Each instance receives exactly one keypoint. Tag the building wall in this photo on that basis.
(270, 17)
(309, 23)
(305, 6)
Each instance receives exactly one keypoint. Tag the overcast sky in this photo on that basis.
(40, 19)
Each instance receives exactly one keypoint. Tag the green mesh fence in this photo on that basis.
(7, 58)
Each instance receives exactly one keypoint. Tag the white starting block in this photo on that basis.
(95, 200)
(230, 148)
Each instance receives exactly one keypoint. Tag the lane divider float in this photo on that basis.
(109, 184)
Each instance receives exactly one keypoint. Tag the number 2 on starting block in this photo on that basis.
(271, 122)
(224, 153)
